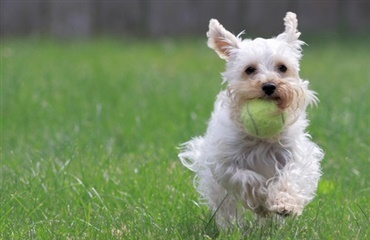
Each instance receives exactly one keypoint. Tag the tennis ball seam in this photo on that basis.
(253, 121)
(282, 118)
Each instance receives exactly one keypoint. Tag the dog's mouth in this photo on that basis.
(281, 104)
(279, 92)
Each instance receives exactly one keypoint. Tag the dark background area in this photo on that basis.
(89, 18)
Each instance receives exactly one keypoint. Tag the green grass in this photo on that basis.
(89, 132)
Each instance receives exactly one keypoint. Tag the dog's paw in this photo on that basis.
(286, 205)
(283, 211)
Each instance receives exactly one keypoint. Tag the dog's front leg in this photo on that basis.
(295, 185)
(243, 184)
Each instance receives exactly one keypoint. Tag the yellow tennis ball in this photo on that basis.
(262, 118)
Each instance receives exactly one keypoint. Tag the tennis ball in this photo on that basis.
(262, 118)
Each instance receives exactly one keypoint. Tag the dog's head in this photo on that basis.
(263, 68)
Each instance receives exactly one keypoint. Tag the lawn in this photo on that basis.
(90, 130)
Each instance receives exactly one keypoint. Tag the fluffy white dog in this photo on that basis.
(277, 175)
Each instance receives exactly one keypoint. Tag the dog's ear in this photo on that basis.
(291, 33)
(221, 40)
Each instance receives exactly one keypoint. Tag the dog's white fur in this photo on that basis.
(277, 175)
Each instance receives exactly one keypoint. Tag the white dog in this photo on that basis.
(277, 175)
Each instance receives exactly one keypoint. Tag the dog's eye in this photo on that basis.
(282, 68)
(250, 70)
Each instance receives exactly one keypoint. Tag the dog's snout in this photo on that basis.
(269, 88)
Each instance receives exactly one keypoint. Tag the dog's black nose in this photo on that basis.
(269, 88)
